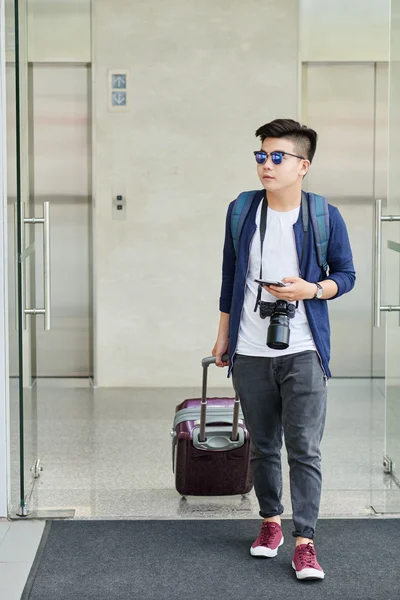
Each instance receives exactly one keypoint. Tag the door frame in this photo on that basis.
(4, 387)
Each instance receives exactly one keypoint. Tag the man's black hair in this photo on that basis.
(305, 139)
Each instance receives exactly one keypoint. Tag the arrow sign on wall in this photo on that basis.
(119, 98)
(119, 81)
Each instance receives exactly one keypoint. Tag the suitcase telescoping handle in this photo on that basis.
(206, 362)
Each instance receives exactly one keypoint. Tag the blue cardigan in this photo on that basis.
(235, 268)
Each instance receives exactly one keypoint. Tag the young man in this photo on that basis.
(282, 389)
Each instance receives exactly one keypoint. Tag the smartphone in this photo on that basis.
(269, 282)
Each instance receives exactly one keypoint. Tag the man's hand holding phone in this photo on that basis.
(270, 282)
(291, 289)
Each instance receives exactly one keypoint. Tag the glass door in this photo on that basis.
(392, 252)
(17, 201)
(26, 231)
(48, 181)
(387, 299)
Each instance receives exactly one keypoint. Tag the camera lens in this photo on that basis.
(278, 332)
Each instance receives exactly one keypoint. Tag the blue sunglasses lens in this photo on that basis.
(261, 157)
(276, 157)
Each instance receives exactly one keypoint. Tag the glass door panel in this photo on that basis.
(21, 267)
(391, 255)
(387, 499)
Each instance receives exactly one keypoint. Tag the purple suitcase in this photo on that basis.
(211, 446)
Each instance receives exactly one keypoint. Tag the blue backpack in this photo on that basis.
(314, 204)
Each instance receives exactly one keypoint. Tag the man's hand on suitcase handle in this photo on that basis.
(220, 348)
(222, 343)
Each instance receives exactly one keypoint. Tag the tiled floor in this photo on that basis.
(107, 454)
(18, 546)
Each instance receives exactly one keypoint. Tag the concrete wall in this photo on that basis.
(343, 30)
(331, 30)
(59, 30)
(203, 77)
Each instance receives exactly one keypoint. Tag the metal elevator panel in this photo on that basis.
(60, 173)
(346, 104)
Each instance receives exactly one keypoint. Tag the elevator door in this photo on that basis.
(347, 105)
(59, 139)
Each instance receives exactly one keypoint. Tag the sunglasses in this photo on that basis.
(276, 157)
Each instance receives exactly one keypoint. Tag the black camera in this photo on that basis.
(278, 331)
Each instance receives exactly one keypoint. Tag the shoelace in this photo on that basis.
(307, 555)
(268, 531)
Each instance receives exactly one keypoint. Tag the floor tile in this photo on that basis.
(13, 578)
(21, 542)
(4, 527)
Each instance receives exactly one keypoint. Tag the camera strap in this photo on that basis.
(305, 220)
(263, 229)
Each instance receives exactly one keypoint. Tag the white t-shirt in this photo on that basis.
(279, 260)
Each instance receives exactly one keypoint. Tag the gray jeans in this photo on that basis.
(285, 396)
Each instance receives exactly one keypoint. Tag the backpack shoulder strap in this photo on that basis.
(319, 215)
(239, 213)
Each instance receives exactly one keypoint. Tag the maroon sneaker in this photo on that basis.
(268, 541)
(305, 563)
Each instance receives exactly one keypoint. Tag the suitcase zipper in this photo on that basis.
(213, 413)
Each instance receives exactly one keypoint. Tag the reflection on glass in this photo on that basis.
(391, 499)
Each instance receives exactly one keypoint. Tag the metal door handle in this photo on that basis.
(378, 308)
(46, 266)
(16, 263)
(24, 254)
(46, 311)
